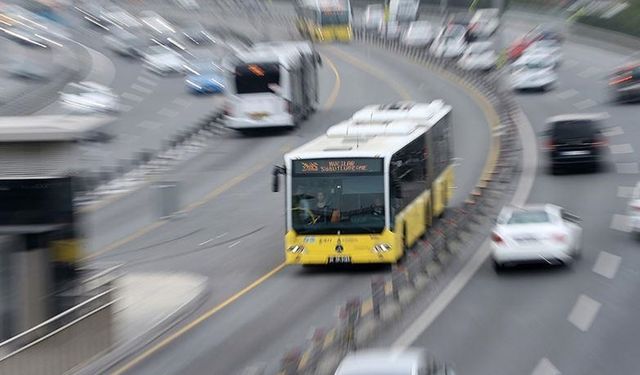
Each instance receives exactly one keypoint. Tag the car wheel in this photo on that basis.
(556, 170)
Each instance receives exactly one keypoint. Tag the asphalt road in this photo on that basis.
(579, 320)
(233, 232)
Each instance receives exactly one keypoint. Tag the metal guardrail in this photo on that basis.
(62, 342)
(461, 227)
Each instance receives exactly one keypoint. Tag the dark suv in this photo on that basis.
(575, 141)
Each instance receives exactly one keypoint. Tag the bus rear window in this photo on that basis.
(256, 78)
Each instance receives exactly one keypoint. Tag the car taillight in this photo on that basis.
(550, 145)
(617, 81)
(600, 142)
(559, 237)
(495, 237)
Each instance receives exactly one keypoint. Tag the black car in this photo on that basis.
(625, 83)
(575, 141)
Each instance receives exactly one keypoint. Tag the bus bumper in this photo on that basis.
(268, 122)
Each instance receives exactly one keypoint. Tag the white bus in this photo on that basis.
(272, 85)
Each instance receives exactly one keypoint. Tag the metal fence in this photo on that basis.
(62, 342)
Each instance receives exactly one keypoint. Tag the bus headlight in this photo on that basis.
(381, 248)
(296, 249)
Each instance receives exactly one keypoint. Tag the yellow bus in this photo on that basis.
(370, 187)
(325, 21)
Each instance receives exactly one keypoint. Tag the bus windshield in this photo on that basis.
(346, 201)
(257, 78)
(330, 18)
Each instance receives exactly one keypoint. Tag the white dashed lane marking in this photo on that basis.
(612, 132)
(141, 89)
(627, 168)
(620, 223)
(567, 94)
(584, 104)
(234, 244)
(621, 149)
(184, 103)
(148, 124)
(589, 72)
(168, 112)
(147, 81)
(584, 312)
(545, 367)
(625, 191)
(607, 265)
(133, 97)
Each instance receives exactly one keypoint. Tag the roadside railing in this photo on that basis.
(456, 233)
(62, 342)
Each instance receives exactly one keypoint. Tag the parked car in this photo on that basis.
(419, 34)
(126, 44)
(533, 72)
(479, 56)
(163, 60)
(485, 22)
(547, 47)
(450, 42)
(535, 233)
(89, 97)
(575, 140)
(205, 78)
(393, 361)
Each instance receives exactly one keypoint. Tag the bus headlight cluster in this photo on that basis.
(381, 248)
(296, 249)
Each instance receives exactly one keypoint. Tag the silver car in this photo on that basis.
(392, 362)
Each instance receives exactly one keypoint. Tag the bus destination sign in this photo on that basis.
(331, 166)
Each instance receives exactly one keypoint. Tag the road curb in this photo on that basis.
(107, 362)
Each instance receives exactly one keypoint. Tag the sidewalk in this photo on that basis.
(148, 305)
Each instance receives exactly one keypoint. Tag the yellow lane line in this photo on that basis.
(331, 100)
(373, 71)
(195, 322)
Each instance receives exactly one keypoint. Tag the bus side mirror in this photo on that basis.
(275, 184)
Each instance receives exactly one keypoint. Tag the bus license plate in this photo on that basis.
(340, 259)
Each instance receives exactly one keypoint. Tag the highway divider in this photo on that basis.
(456, 235)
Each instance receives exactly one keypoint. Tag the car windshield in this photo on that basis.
(529, 217)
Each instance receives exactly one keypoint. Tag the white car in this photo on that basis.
(536, 233)
(634, 211)
(89, 97)
(393, 362)
(533, 71)
(163, 60)
(485, 22)
(479, 56)
(450, 42)
(419, 34)
(548, 47)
